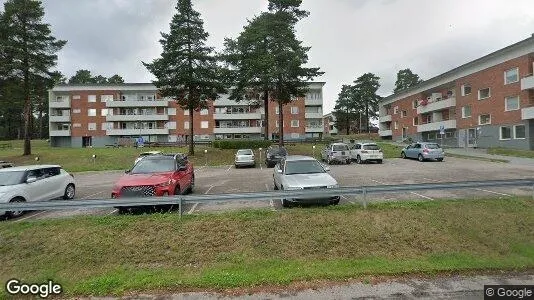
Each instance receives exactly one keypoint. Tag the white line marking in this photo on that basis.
(193, 208)
(261, 167)
(431, 179)
(229, 168)
(377, 181)
(426, 197)
(343, 196)
(87, 197)
(267, 187)
(502, 194)
(31, 216)
(271, 203)
(112, 212)
(209, 189)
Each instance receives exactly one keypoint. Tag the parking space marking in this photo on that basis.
(31, 216)
(193, 208)
(271, 204)
(343, 196)
(497, 193)
(229, 168)
(426, 197)
(267, 187)
(209, 189)
(112, 212)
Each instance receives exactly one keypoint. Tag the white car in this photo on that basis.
(34, 183)
(143, 154)
(244, 157)
(364, 152)
(336, 152)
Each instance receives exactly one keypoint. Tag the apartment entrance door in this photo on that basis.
(472, 137)
(87, 141)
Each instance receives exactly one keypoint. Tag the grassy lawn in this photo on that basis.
(80, 159)
(118, 254)
(511, 152)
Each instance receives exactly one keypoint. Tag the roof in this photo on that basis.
(298, 157)
(29, 167)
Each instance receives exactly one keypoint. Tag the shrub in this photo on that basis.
(241, 144)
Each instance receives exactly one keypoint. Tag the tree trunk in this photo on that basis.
(266, 113)
(280, 125)
(191, 141)
(27, 109)
(348, 122)
(367, 116)
(40, 122)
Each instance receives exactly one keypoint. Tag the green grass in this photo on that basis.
(113, 255)
(80, 159)
(512, 152)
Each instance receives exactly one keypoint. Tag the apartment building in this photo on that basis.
(100, 115)
(488, 102)
(329, 122)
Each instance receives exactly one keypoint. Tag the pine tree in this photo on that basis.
(187, 69)
(406, 79)
(365, 88)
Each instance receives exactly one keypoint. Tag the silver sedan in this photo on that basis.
(297, 172)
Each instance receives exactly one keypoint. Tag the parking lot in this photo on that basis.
(227, 179)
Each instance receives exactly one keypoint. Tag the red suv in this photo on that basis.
(156, 175)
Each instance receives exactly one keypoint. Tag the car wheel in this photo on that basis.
(275, 187)
(122, 210)
(420, 158)
(439, 159)
(236, 166)
(285, 203)
(192, 185)
(403, 155)
(70, 191)
(358, 160)
(328, 161)
(348, 161)
(379, 161)
(16, 213)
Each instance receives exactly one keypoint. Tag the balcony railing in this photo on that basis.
(62, 132)
(527, 113)
(313, 115)
(386, 118)
(63, 103)
(314, 129)
(237, 116)
(139, 117)
(59, 118)
(527, 82)
(436, 105)
(435, 126)
(237, 129)
(137, 132)
(387, 132)
(138, 103)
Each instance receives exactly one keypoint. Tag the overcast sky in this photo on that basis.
(347, 37)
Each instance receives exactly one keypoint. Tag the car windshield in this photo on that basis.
(11, 178)
(340, 148)
(154, 166)
(432, 146)
(244, 152)
(371, 147)
(278, 151)
(303, 167)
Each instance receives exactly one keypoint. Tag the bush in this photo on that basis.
(241, 144)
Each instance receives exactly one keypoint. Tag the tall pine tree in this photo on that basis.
(405, 79)
(187, 69)
(365, 88)
(29, 51)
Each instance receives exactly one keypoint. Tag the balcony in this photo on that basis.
(242, 116)
(65, 103)
(148, 117)
(388, 132)
(314, 129)
(436, 105)
(237, 130)
(137, 132)
(386, 118)
(435, 126)
(138, 103)
(313, 115)
(62, 119)
(527, 82)
(313, 102)
(60, 132)
(527, 113)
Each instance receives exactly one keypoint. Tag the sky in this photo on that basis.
(347, 37)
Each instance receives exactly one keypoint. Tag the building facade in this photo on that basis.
(329, 122)
(488, 102)
(100, 115)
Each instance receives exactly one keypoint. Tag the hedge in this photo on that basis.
(241, 144)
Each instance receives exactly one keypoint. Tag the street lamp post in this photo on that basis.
(313, 151)
(206, 156)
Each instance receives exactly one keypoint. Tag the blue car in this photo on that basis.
(423, 151)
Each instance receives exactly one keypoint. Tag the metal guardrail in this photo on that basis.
(180, 200)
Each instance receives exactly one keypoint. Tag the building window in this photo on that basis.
(106, 98)
(466, 89)
(277, 110)
(519, 132)
(104, 112)
(91, 126)
(511, 76)
(294, 123)
(505, 133)
(415, 121)
(294, 110)
(204, 124)
(171, 125)
(186, 112)
(171, 111)
(403, 114)
(76, 111)
(484, 119)
(76, 97)
(277, 123)
(466, 112)
(106, 126)
(415, 103)
(395, 110)
(186, 125)
(204, 112)
(91, 98)
(511, 103)
(396, 125)
(91, 112)
(76, 125)
(484, 93)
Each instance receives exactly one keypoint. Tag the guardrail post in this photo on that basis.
(180, 203)
(533, 191)
(364, 197)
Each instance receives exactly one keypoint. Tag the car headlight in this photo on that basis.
(292, 188)
(334, 186)
(166, 183)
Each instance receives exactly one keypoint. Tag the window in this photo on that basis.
(76, 111)
(395, 110)
(511, 103)
(171, 125)
(484, 93)
(91, 112)
(396, 125)
(91, 98)
(204, 124)
(415, 121)
(186, 112)
(204, 112)
(403, 114)
(277, 123)
(294, 123)
(294, 110)
(466, 89)
(511, 76)
(484, 119)
(105, 126)
(76, 97)
(106, 98)
(76, 125)
(104, 112)
(519, 132)
(415, 103)
(466, 112)
(91, 126)
(505, 133)
(171, 111)
(186, 125)
(277, 110)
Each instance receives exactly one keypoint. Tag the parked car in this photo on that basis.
(34, 183)
(336, 152)
(296, 172)
(364, 152)
(274, 155)
(244, 157)
(5, 164)
(423, 151)
(154, 176)
(143, 154)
